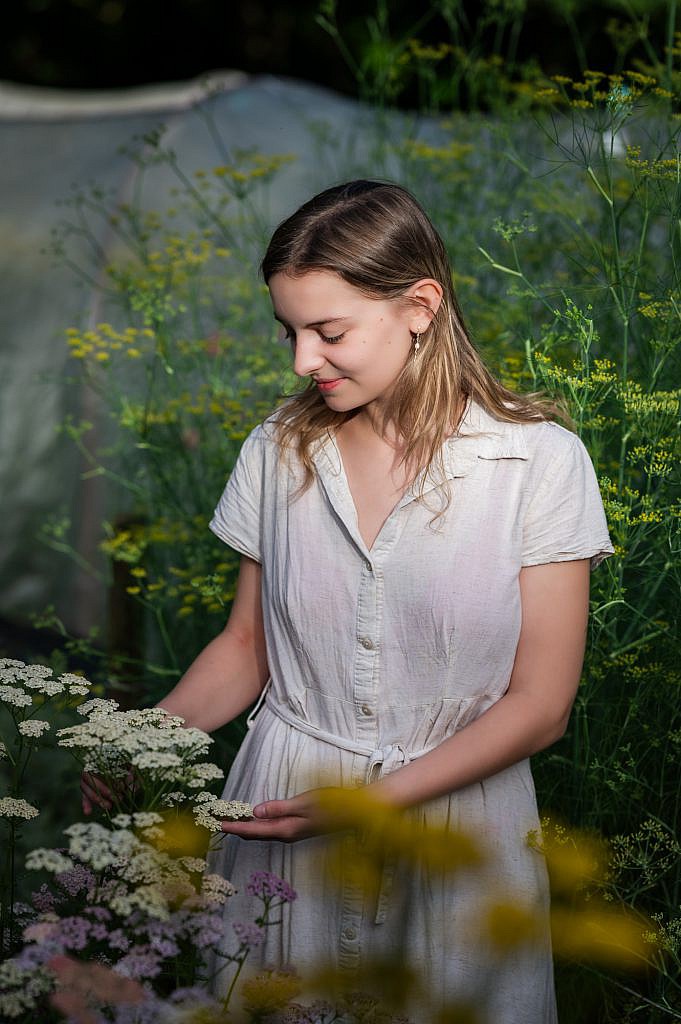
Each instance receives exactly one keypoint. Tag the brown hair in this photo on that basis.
(378, 239)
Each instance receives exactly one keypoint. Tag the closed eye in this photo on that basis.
(290, 337)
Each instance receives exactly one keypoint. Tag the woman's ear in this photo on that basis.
(428, 293)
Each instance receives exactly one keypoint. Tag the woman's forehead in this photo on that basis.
(318, 296)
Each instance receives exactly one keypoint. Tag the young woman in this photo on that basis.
(413, 595)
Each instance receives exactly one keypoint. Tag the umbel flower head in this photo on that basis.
(147, 746)
(19, 683)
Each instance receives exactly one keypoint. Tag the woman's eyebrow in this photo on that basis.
(317, 323)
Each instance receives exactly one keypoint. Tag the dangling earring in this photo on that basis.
(417, 344)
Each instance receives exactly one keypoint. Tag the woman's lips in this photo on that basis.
(329, 385)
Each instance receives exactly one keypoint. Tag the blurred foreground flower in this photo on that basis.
(382, 828)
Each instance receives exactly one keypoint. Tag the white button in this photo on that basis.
(366, 710)
(367, 643)
(350, 933)
(369, 567)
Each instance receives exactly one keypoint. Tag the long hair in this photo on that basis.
(378, 239)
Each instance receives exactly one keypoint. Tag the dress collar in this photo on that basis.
(480, 436)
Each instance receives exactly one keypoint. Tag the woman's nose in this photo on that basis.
(308, 356)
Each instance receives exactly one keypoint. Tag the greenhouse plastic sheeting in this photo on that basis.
(51, 141)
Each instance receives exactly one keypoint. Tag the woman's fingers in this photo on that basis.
(94, 792)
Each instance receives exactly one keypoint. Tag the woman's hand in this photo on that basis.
(285, 821)
(94, 793)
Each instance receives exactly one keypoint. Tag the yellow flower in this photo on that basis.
(509, 924)
(269, 992)
(601, 935)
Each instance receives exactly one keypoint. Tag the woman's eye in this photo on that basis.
(331, 341)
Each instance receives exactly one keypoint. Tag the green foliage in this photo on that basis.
(562, 225)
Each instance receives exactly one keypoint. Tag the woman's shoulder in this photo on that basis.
(534, 440)
(262, 436)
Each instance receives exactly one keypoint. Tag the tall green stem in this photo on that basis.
(671, 28)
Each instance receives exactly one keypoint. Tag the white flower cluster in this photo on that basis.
(16, 678)
(3, 750)
(215, 889)
(20, 989)
(209, 811)
(202, 773)
(33, 727)
(44, 859)
(136, 875)
(197, 865)
(149, 740)
(98, 846)
(11, 807)
(13, 695)
(141, 819)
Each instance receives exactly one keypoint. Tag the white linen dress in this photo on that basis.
(375, 657)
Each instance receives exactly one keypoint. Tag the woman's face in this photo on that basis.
(353, 347)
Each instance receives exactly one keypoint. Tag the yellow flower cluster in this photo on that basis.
(649, 404)
(451, 153)
(659, 459)
(100, 342)
(417, 51)
(659, 168)
(262, 167)
(663, 309)
(617, 90)
(269, 991)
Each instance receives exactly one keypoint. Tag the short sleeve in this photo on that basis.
(237, 517)
(565, 519)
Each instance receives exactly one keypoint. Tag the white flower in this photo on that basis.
(13, 695)
(122, 820)
(143, 819)
(79, 689)
(193, 864)
(20, 988)
(98, 846)
(156, 759)
(39, 677)
(97, 706)
(43, 859)
(3, 750)
(216, 889)
(76, 685)
(174, 798)
(33, 727)
(10, 807)
(203, 772)
(9, 664)
(152, 833)
(210, 811)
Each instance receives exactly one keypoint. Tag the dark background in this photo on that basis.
(98, 44)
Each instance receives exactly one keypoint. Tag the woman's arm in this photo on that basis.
(230, 673)
(531, 715)
(534, 711)
(224, 679)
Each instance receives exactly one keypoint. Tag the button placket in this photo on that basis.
(367, 654)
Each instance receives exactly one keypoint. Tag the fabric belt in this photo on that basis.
(380, 761)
